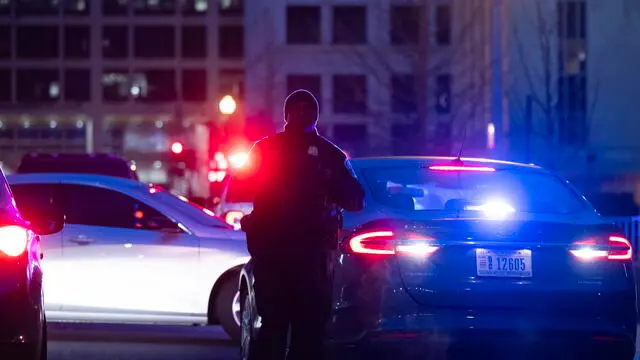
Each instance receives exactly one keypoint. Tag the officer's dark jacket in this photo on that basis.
(300, 181)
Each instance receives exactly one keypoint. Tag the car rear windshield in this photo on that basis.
(423, 189)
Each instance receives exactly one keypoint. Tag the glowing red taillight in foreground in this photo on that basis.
(617, 248)
(461, 168)
(13, 240)
(386, 243)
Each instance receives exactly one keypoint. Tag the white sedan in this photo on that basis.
(131, 252)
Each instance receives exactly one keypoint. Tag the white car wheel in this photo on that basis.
(227, 307)
(236, 309)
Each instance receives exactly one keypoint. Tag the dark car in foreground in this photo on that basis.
(474, 259)
(22, 316)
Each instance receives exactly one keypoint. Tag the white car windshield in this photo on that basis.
(196, 212)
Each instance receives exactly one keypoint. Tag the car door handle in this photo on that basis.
(81, 240)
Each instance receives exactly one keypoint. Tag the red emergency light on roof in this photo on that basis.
(461, 168)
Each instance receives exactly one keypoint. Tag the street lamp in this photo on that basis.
(227, 105)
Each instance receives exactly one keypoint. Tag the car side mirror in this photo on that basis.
(47, 221)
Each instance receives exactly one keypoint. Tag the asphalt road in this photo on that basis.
(142, 342)
(138, 342)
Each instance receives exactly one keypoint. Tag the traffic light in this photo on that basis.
(177, 147)
(182, 157)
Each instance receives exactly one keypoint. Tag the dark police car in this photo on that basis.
(474, 259)
(22, 317)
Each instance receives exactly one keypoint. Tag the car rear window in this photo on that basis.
(423, 189)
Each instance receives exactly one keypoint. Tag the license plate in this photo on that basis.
(499, 263)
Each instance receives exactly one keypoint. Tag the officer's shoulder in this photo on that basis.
(268, 141)
(331, 148)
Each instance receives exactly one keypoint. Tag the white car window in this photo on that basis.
(95, 206)
(199, 214)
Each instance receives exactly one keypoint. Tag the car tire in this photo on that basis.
(246, 341)
(226, 304)
(43, 342)
(34, 351)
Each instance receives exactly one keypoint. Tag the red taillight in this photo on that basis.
(616, 248)
(376, 242)
(387, 243)
(622, 249)
(233, 217)
(461, 168)
(13, 240)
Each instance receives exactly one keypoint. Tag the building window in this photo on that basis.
(194, 42)
(231, 42)
(354, 139)
(154, 42)
(303, 24)
(405, 24)
(115, 42)
(443, 25)
(194, 85)
(443, 94)
(312, 83)
(572, 108)
(77, 42)
(349, 94)
(572, 19)
(154, 85)
(349, 24)
(116, 85)
(5, 8)
(231, 82)
(6, 85)
(37, 85)
(30, 7)
(77, 85)
(5, 42)
(231, 7)
(403, 94)
(76, 7)
(114, 7)
(37, 42)
(195, 7)
(156, 7)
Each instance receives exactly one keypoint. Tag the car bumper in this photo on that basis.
(460, 333)
(482, 344)
(21, 320)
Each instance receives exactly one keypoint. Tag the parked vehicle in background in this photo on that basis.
(470, 258)
(131, 253)
(23, 327)
(98, 164)
(234, 202)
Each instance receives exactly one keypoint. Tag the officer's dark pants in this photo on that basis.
(292, 292)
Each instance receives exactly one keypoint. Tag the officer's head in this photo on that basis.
(301, 110)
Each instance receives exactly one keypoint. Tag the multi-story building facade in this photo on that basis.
(576, 62)
(392, 77)
(115, 76)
